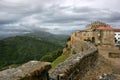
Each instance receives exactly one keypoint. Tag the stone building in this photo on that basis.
(99, 35)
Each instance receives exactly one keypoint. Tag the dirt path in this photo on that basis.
(114, 61)
(105, 52)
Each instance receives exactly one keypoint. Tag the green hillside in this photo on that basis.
(21, 49)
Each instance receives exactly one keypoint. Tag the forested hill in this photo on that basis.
(20, 49)
(46, 36)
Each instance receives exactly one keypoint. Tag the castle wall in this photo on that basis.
(75, 67)
(108, 38)
(104, 37)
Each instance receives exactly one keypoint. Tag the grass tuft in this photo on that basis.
(60, 59)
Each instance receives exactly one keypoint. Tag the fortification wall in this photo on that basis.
(33, 70)
(99, 37)
(75, 67)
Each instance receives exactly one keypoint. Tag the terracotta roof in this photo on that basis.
(116, 30)
(104, 28)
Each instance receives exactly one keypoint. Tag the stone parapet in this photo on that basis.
(77, 65)
(33, 70)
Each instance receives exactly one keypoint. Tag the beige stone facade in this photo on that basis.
(99, 37)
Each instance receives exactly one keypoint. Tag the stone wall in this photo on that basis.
(33, 70)
(99, 37)
(75, 67)
(107, 37)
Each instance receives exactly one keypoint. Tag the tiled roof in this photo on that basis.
(108, 28)
(104, 28)
(116, 30)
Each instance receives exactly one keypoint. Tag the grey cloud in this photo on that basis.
(84, 10)
(115, 17)
(10, 12)
(89, 14)
(49, 15)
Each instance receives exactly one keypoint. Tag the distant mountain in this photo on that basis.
(11, 34)
(32, 46)
(6, 36)
(42, 34)
(46, 36)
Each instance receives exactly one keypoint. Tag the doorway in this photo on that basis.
(93, 39)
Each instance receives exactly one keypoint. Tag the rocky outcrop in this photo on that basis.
(33, 70)
(77, 65)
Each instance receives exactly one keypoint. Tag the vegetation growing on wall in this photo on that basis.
(60, 59)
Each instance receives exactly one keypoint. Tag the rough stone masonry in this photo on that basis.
(76, 66)
(33, 70)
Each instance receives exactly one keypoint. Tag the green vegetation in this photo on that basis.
(20, 49)
(60, 59)
(51, 56)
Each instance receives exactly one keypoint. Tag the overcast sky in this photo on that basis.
(56, 16)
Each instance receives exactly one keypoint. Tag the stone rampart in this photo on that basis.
(33, 70)
(75, 67)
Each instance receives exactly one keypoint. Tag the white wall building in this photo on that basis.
(117, 35)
